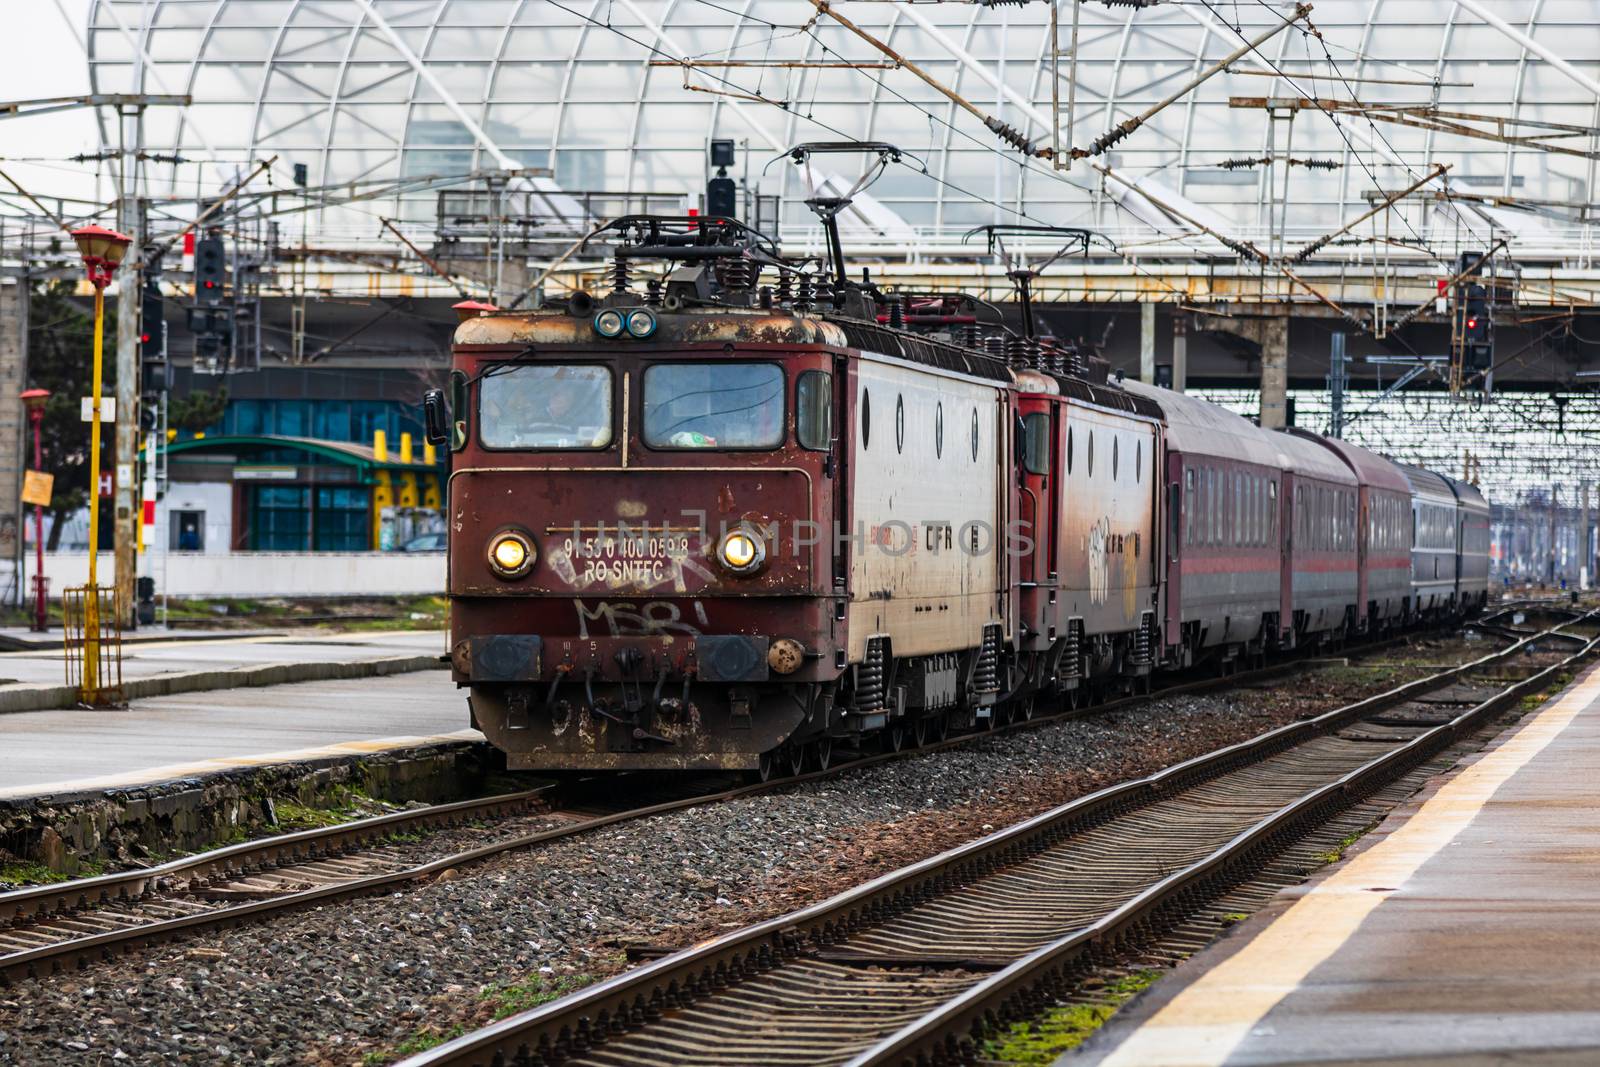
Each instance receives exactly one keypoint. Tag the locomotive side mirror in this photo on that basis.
(435, 417)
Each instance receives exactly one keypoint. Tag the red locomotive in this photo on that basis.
(716, 523)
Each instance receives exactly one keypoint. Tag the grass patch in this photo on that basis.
(421, 1041)
(292, 816)
(26, 873)
(531, 993)
(1066, 1027)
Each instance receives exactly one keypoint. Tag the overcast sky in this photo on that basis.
(40, 56)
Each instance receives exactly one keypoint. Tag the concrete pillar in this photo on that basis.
(1147, 343)
(1585, 557)
(16, 447)
(1180, 352)
(1275, 373)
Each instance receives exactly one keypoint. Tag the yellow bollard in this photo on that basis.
(405, 448)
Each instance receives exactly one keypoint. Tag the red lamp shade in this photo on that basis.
(34, 398)
(471, 309)
(102, 252)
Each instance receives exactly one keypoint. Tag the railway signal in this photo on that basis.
(210, 269)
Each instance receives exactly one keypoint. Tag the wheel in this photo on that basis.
(1023, 712)
(822, 753)
(919, 731)
(895, 738)
(939, 727)
(797, 760)
(766, 767)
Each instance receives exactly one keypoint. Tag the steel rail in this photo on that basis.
(57, 901)
(951, 1031)
(630, 1000)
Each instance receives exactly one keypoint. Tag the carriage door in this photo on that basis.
(842, 435)
(1180, 520)
(1039, 426)
(1288, 533)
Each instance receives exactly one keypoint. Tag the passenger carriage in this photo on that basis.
(1383, 504)
(1433, 545)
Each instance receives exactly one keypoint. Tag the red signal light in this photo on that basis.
(144, 338)
(1472, 323)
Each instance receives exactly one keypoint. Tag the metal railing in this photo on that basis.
(92, 642)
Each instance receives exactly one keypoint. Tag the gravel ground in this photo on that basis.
(352, 981)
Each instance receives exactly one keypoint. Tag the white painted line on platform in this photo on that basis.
(153, 775)
(1203, 1024)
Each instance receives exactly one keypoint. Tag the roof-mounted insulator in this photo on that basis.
(1003, 3)
(1317, 164)
(620, 273)
(1130, 3)
(1243, 163)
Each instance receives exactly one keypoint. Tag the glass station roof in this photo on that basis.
(388, 99)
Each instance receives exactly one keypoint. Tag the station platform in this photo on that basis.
(1465, 929)
(160, 739)
(35, 679)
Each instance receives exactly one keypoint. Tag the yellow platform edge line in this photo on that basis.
(1203, 1024)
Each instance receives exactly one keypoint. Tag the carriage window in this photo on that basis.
(545, 406)
(713, 405)
(1036, 443)
(813, 410)
(1188, 506)
(1272, 510)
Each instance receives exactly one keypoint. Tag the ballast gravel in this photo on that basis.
(355, 982)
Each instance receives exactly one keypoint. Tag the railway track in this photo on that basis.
(919, 965)
(48, 928)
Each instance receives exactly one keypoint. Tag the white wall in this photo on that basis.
(213, 498)
(269, 574)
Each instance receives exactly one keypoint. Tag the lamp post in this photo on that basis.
(34, 400)
(102, 252)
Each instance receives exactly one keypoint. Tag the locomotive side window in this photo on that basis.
(713, 405)
(1036, 443)
(938, 430)
(866, 419)
(813, 417)
(545, 406)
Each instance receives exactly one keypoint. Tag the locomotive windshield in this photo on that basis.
(713, 405)
(545, 406)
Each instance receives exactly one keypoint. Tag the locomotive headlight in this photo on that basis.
(510, 554)
(641, 324)
(741, 552)
(610, 323)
